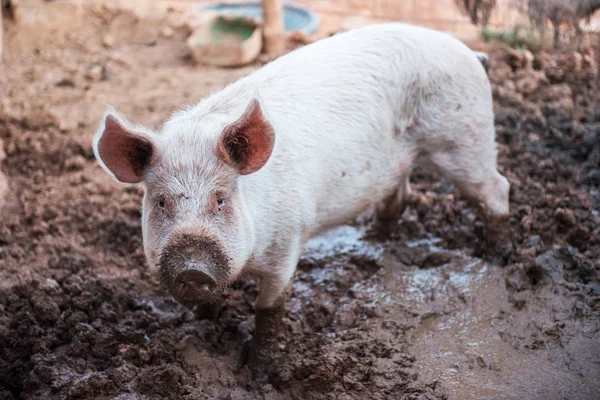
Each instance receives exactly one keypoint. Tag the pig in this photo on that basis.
(237, 184)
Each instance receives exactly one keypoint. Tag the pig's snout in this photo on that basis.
(194, 269)
(195, 282)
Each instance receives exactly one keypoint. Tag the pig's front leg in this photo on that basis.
(259, 351)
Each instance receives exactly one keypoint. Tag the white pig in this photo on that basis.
(240, 181)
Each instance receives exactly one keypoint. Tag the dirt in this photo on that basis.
(419, 316)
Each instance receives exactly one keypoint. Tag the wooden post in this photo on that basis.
(1, 38)
(273, 28)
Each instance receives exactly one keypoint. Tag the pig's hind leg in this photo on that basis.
(468, 161)
(388, 211)
(477, 180)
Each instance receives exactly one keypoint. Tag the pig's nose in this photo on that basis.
(193, 283)
(193, 268)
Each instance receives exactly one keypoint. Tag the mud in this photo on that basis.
(419, 316)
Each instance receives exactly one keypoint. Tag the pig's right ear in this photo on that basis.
(123, 151)
(247, 143)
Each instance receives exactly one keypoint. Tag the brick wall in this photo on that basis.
(437, 14)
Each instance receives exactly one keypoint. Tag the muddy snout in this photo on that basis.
(194, 269)
(194, 282)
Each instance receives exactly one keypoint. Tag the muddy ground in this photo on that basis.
(419, 316)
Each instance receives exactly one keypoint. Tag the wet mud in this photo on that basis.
(420, 315)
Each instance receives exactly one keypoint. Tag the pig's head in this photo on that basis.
(197, 234)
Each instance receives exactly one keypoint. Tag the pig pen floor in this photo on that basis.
(419, 316)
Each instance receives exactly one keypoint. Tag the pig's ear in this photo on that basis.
(123, 151)
(247, 143)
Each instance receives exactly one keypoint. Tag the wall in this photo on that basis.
(437, 14)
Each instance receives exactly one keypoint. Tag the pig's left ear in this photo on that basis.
(124, 151)
(247, 143)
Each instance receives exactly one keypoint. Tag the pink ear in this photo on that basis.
(247, 143)
(124, 153)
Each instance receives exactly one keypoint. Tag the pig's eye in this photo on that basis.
(220, 201)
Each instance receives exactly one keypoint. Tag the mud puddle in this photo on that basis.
(461, 320)
(462, 334)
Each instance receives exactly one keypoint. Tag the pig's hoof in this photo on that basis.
(243, 357)
(498, 254)
(379, 231)
(250, 361)
(257, 372)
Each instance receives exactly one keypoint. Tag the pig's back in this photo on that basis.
(365, 85)
(382, 60)
(341, 107)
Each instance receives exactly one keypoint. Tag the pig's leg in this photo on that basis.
(274, 290)
(473, 171)
(265, 342)
(390, 209)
